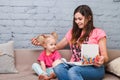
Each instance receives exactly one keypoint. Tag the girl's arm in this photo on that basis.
(43, 66)
(62, 44)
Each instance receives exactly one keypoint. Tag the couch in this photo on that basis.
(24, 58)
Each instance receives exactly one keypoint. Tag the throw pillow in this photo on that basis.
(7, 58)
(114, 66)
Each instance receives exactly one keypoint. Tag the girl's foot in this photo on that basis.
(52, 76)
(43, 77)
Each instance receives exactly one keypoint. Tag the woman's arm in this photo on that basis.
(62, 44)
(103, 49)
(103, 58)
(35, 42)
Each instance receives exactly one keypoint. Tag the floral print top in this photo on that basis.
(94, 38)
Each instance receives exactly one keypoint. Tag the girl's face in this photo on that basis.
(79, 20)
(50, 45)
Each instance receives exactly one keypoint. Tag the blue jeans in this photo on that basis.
(65, 71)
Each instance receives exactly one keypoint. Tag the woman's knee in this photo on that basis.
(59, 67)
(73, 70)
(74, 73)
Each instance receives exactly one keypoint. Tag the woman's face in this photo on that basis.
(79, 20)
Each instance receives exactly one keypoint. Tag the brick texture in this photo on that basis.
(21, 20)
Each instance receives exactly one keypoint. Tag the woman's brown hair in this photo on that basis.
(76, 31)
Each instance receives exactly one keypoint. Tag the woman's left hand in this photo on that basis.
(99, 61)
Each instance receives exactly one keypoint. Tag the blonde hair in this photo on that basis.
(42, 38)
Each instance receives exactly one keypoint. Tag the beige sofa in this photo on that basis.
(24, 58)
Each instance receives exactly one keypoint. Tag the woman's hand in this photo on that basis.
(35, 42)
(99, 61)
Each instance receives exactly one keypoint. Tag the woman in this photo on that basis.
(83, 31)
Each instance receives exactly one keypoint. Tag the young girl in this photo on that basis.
(48, 56)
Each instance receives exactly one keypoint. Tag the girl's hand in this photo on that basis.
(56, 62)
(35, 42)
(99, 61)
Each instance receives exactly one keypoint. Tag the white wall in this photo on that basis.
(21, 20)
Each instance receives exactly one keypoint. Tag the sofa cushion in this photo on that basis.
(7, 58)
(114, 66)
(22, 75)
(109, 76)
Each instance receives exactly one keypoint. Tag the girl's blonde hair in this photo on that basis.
(42, 38)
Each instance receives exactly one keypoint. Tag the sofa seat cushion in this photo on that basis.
(29, 75)
(24, 75)
(109, 76)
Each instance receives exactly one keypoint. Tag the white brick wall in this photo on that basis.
(20, 20)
